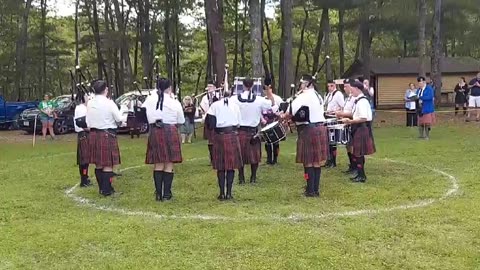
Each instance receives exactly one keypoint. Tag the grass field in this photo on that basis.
(268, 226)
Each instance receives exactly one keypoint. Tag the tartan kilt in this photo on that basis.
(251, 153)
(363, 143)
(208, 134)
(226, 152)
(163, 145)
(104, 151)
(312, 145)
(83, 148)
(427, 119)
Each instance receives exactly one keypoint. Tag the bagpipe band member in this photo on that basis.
(205, 104)
(270, 116)
(81, 128)
(347, 110)
(334, 101)
(251, 109)
(307, 111)
(223, 117)
(360, 121)
(102, 118)
(164, 113)
(425, 108)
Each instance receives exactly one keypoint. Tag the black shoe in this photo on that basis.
(167, 198)
(229, 197)
(241, 181)
(349, 171)
(331, 165)
(221, 197)
(354, 177)
(309, 194)
(253, 180)
(158, 197)
(84, 185)
(317, 194)
(360, 179)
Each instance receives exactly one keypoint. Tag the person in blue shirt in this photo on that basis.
(425, 108)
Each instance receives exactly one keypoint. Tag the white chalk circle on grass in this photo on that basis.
(450, 192)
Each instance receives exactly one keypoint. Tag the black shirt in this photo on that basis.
(189, 112)
(475, 90)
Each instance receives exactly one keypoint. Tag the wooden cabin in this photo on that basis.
(390, 77)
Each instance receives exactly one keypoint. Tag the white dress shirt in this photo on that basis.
(228, 115)
(335, 102)
(349, 103)
(313, 101)
(362, 109)
(103, 113)
(172, 112)
(80, 111)
(251, 112)
(277, 99)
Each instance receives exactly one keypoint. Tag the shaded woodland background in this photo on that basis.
(117, 40)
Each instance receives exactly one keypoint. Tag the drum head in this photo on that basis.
(269, 126)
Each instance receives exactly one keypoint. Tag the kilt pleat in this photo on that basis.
(164, 145)
(208, 134)
(363, 142)
(104, 151)
(83, 149)
(427, 119)
(226, 152)
(312, 145)
(251, 153)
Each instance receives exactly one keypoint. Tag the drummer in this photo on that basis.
(347, 109)
(205, 104)
(334, 101)
(270, 116)
(360, 120)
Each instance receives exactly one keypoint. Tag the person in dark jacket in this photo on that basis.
(461, 93)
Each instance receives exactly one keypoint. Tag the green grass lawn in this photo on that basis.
(268, 226)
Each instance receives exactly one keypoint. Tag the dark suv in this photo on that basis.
(62, 125)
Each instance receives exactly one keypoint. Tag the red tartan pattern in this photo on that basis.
(363, 143)
(83, 149)
(251, 153)
(208, 134)
(226, 152)
(427, 119)
(164, 145)
(104, 151)
(312, 145)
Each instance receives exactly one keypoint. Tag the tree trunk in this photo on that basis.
(285, 76)
(242, 46)
(123, 48)
(43, 77)
(365, 40)
(214, 8)
(318, 46)
(77, 35)
(302, 38)
(326, 35)
(108, 66)
(256, 37)
(266, 69)
(341, 41)
(436, 75)
(96, 33)
(145, 36)
(270, 51)
(235, 60)
(21, 50)
(422, 15)
(135, 53)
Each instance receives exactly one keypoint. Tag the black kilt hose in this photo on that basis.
(208, 134)
(362, 140)
(251, 153)
(83, 148)
(226, 151)
(163, 145)
(312, 144)
(104, 151)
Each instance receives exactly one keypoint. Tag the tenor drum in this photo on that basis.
(273, 133)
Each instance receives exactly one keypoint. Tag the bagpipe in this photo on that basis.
(81, 90)
(218, 93)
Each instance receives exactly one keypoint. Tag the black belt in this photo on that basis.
(110, 130)
(246, 128)
(160, 124)
(319, 124)
(225, 130)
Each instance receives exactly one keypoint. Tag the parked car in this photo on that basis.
(10, 112)
(125, 103)
(62, 125)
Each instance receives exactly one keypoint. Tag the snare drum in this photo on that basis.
(341, 134)
(273, 133)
